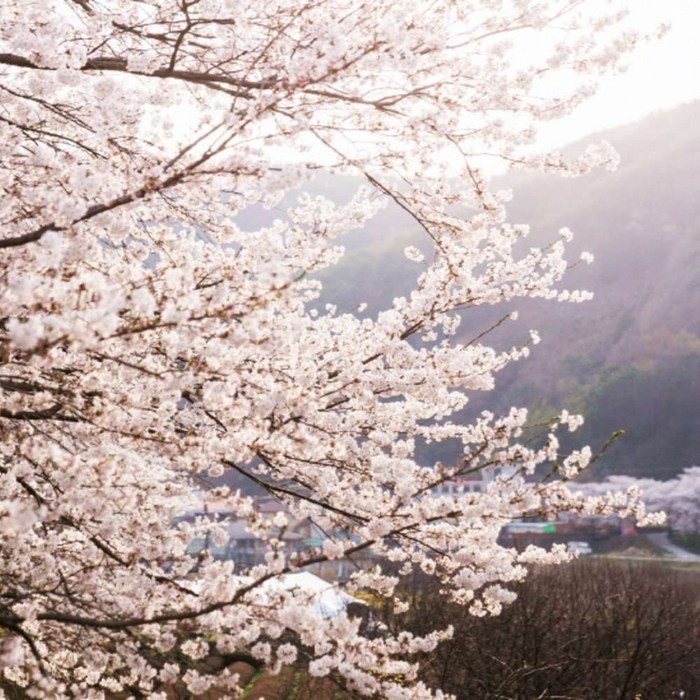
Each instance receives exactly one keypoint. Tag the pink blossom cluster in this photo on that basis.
(149, 341)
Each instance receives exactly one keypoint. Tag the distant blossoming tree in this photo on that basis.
(679, 498)
(147, 337)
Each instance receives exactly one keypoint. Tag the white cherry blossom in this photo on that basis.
(150, 339)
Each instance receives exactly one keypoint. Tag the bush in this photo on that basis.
(590, 630)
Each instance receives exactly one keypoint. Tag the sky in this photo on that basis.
(662, 74)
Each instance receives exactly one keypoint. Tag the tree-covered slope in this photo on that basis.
(628, 359)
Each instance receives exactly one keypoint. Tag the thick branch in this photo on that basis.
(51, 413)
(93, 211)
(119, 65)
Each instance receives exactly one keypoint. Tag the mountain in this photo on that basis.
(630, 358)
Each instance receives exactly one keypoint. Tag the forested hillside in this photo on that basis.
(630, 358)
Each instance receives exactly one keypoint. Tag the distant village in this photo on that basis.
(302, 539)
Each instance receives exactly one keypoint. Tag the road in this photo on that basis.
(674, 551)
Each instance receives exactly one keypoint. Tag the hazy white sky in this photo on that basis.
(662, 74)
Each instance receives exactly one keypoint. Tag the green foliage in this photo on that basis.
(657, 408)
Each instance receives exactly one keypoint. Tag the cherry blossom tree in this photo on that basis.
(679, 498)
(148, 339)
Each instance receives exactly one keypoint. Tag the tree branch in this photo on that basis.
(119, 65)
